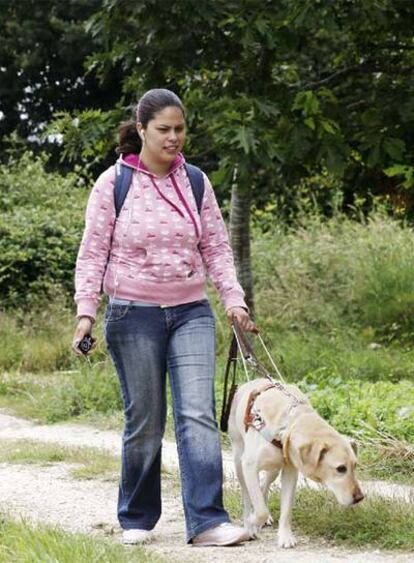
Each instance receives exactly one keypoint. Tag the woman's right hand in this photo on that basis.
(83, 328)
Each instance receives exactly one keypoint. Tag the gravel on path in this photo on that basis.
(49, 494)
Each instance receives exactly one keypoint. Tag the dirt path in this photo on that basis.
(49, 494)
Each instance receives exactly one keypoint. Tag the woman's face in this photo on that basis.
(163, 137)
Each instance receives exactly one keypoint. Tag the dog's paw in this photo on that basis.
(251, 527)
(250, 523)
(254, 522)
(286, 539)
(262, 518)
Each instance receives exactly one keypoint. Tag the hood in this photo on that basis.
(134, 161)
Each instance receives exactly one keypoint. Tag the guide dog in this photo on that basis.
(273, 428)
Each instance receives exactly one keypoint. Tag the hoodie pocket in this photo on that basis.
(167, 266)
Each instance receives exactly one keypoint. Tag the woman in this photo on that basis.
(150, 262)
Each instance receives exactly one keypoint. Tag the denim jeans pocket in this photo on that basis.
(115, 313)
(206, 304)
(199, 308)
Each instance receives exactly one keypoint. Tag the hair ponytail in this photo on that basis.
(129, 140)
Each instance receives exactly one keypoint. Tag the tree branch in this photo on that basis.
(323, 81)
(370, 66)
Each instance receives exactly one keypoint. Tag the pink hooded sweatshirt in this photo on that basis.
(158, 249)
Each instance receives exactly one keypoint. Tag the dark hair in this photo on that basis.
(150, 103)
(128, 139)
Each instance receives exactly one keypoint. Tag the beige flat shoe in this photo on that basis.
(222, 535)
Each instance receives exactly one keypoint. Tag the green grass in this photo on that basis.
(88, 395)
(336, 273)
(374, 523)
(60, 396)
(377, 463)
(22, 542)
(37, 341)
(91, 463)
(338, 292)
(347, 405)
(348, 353)
(350, 405)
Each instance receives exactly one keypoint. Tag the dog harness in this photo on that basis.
(253, 417)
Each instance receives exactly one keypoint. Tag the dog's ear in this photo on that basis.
(354, 445)
(311, 454)
(352, 442)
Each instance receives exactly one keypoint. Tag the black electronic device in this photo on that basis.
(85, 345)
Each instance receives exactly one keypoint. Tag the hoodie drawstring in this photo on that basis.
(180, 197)
(183, 201)
(166, 198)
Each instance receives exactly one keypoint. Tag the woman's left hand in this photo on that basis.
(242, 317)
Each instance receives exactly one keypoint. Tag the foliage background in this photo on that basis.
(275, 90)
(301, 111)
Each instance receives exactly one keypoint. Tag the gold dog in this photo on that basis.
(273, 428)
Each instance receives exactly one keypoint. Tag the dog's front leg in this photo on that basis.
(251, 477)
(265, 483)
(288, 486)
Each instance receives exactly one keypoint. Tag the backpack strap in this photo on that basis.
(123, 178)
(196, 178)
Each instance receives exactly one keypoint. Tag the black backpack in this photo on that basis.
(124, 176)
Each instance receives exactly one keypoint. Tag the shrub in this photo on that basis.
(41, 223)
(349, 406)
(337, 272)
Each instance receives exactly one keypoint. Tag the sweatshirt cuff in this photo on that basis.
(87, 308)
(234, 300)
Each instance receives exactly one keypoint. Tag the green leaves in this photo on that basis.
(394, 148)
(334, 159)
(86, 135)
(41, 222)
(245, 139)
(42, 54)
(407, 172)
(307, 102)
(282, 88)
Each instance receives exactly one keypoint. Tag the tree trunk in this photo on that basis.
(240, 239)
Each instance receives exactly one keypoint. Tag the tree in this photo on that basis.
(43, 51)
(275, 90)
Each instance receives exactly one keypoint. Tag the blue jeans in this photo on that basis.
(145, 343)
